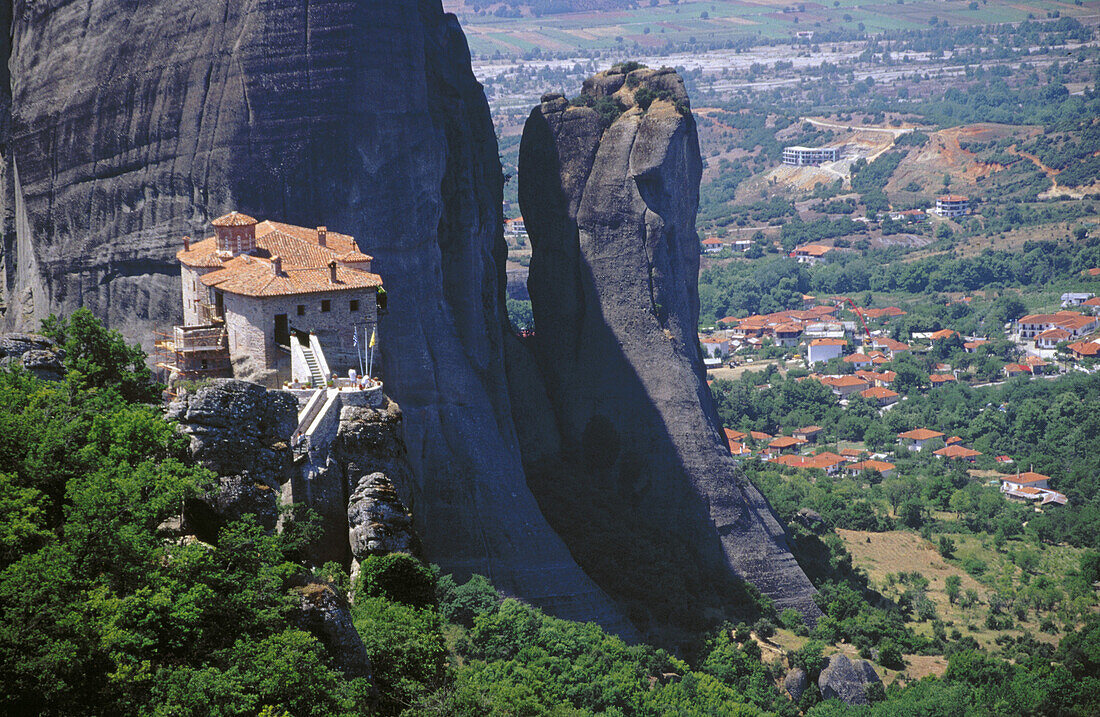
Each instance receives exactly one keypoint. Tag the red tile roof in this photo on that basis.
(234, 219)
(785, 442)
(941, 378)
(828, 342)
(920, 434)
(843, 381)
(880, 466)
(733, 435)
(957, 451)
(1025, 478)
(943, 334)
(878, 393)
(1085, 348)
(305, 263)
(760, 436)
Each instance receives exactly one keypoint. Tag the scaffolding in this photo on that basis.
(192, 353)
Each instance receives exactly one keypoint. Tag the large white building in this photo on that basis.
(802, 156)
(824, 349)
(952, 205)
(265, 296)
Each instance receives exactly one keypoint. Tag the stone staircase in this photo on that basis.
(314, 367)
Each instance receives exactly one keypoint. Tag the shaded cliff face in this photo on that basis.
(610, 208)
(131, 123)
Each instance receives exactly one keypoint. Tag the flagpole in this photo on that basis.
(358, 353)
(370, 363)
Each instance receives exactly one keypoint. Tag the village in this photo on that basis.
(849, 350)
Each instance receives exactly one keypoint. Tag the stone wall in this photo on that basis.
(251, 324)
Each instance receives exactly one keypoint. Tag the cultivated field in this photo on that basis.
(715, 21)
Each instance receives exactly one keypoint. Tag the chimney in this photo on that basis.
(322, 236)
(277, 265)
(187, 243)
(332, 271)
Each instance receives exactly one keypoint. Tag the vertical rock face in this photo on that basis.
(132, 123)
(610, 208)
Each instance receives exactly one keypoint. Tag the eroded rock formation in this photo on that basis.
(847, 680)
(378, 522)
(126, 125)
(240, 431)
(38, 354)
(609, 191)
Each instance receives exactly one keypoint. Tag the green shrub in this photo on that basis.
(399, 577)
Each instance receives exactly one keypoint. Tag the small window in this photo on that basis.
(326, 305)
(301, 309)
(354, 305)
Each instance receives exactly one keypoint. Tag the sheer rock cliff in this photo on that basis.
(125, 125)
(609, 188)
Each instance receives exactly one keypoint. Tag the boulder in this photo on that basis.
(238, 430)
(811, 519)
(324, 612)
(847, 680)
(378, 522)
(795, 683)
(37, 354)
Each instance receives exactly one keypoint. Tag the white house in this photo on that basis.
(1075, 299)
(917, 439)
(825, 349)
(715, 347)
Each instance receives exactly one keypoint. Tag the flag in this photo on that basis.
(355, 337)
(372, 338)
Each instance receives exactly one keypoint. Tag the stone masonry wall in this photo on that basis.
(251, 324)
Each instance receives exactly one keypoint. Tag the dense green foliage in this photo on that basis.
(102, 613)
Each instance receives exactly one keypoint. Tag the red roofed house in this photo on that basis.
(1085, 349)
(738, 449)
(1092, 304)
(1031, 487)
(811, 253)
(808, 434)
(884, 468)
(892, 345)
(938, 379)
(1004, 459)
(760, 436)
(714, 346)
(972, 346)
(918, 438)
(957, 452)
(1017, 369)
(1029, 478)
(1092, 272)
(880, 396)
(1037, 365)
(821, 350)
(712, 245)
(844, 386)
(1076, 324)
(857, 360)
(272, 288)
(942, 334)
(785, 443)
(788, 334)
(828, 462)
(1051, 338)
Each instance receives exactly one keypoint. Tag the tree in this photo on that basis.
(946, 546)
(952, 586)
(96, 357)
(398, 577)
